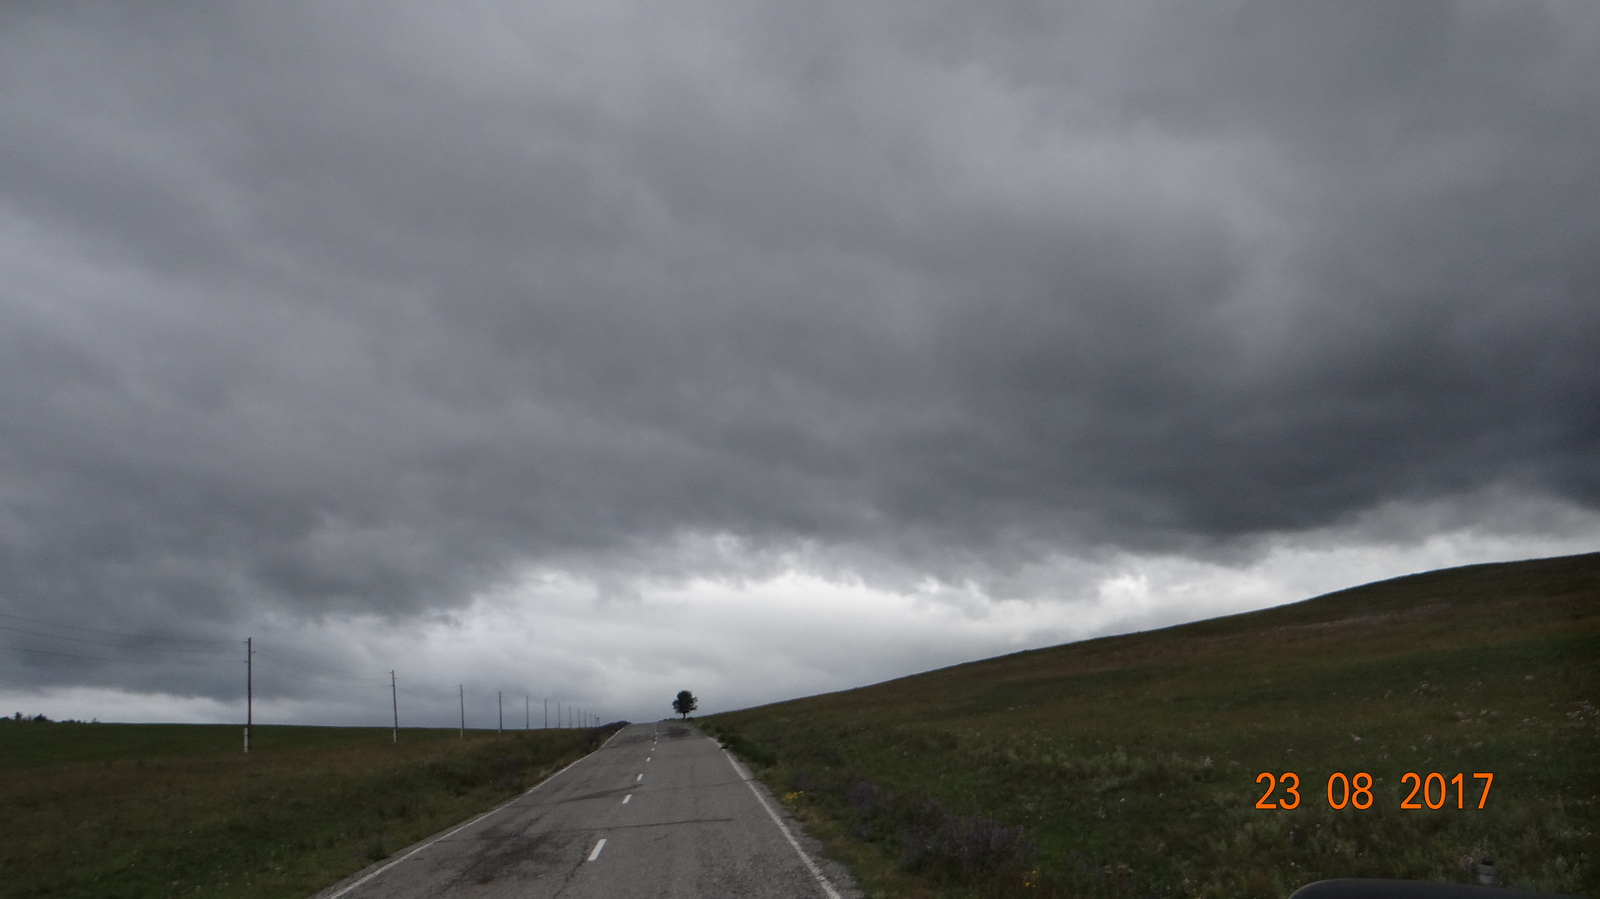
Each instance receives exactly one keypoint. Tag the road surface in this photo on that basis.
(659, 811)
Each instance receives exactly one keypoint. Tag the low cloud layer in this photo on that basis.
(313, 316)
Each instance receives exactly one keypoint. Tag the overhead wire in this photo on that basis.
(94, 630)
(326, 670)
(145, 644)
(74, 655)
(122, 645)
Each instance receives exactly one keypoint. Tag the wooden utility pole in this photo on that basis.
(249, 690)
(527, 712)
(547, 713)
(500, 703)
(394, 694)
(463, 689)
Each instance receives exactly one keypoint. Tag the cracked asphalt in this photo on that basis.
(677, 814)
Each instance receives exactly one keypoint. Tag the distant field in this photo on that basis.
(134, 810)
(1128, 766)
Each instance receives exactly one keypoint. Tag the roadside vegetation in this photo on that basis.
(133, 810)
(1128, 766)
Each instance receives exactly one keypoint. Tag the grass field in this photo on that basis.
(1128, 766)
(134, 810)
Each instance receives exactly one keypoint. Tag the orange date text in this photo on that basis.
(1432, 790)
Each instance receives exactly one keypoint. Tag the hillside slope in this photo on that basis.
(1133, 765)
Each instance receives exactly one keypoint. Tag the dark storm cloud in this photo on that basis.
(332, 309)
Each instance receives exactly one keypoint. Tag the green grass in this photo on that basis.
(132, 810)
(1127, 766)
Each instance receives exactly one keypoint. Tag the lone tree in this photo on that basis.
(685, 703)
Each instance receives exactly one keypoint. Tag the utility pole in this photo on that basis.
(527, 712)
(547, 713)
(249, 690)
(463, 689)
(500, 704)
(394, 694)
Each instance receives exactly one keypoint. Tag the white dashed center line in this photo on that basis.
(597, 847)
(639, 778)
(626, 798)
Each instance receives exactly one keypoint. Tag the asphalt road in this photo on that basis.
(660, 810)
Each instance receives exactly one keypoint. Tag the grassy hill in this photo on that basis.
(132, 810)
(1129, 765)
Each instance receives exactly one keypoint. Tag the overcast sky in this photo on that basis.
(596, 350)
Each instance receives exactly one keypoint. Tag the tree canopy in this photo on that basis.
(685, 703)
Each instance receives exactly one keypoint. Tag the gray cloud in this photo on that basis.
(314, 311)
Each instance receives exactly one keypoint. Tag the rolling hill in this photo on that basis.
(1157, 763)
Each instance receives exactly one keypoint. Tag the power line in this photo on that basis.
(74, 655)
(300, 663)
(23, 630)
(325, 670)
(94, 630)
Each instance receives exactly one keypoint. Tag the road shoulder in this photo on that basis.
(810, 848)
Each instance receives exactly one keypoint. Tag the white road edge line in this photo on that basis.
(469, 823)
(750, 781)
(597, 847)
